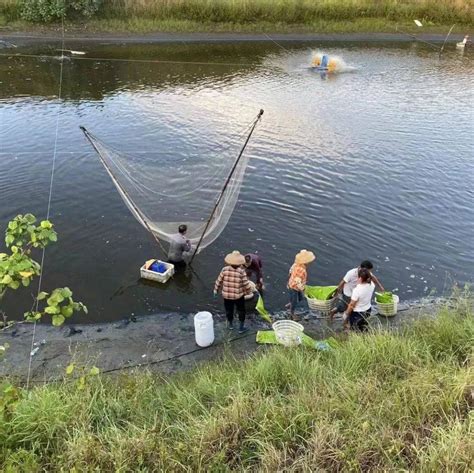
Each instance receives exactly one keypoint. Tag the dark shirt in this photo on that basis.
(255, 267)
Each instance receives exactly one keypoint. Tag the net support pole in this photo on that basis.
(229, 177)
(445, 39)
(117, 183)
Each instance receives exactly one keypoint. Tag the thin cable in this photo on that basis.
(53, 168)
(146, 61)
(278, 44)
(416, 38)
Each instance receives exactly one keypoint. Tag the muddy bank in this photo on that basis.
(28, 39)
(162, 342)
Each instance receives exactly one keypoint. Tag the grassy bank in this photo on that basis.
(382, 402)
(263, 15)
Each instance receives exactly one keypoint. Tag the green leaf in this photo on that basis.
(66, 292)
(46, 224)
(55, 299)
(25, 282)
(14, 249)
(94, 371)
(32, 316)
(58, 320)
(70, 369)
(9, 239)
(53, 310)
(7, 279)
(30, 218)
(67, 311)
(14, 285)
(3, 256)
(12, 225)
(42, 295)
(53, 237)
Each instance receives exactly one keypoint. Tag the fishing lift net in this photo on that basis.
(164, 190)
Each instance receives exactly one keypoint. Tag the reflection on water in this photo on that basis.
(375, 164)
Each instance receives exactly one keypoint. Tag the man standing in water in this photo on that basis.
(348, 284)
(179, 246)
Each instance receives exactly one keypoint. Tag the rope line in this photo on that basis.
(53, 168)
(278, 44)
(146, 61)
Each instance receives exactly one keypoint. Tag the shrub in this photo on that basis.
(46, 11)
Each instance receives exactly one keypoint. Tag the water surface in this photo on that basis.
(375, 163)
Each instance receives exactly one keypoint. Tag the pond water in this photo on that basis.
(375, 162)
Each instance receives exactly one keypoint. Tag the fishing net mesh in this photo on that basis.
(166, 189)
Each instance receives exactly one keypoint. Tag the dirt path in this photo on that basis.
(164, 342)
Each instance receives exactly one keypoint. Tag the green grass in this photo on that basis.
(331, 16)
(383, 402)
(359, 25)
(288, 11)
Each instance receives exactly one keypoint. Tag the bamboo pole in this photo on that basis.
(229, 177)
(445, 39)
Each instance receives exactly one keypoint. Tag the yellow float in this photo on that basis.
(322, 62)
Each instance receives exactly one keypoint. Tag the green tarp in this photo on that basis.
(262, 311)
(322, 293)
(384, 297)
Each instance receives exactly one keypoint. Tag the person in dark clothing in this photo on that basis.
(253, 266)
(179, 247)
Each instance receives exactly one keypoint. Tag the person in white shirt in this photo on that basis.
(360, 305)
(348, 284)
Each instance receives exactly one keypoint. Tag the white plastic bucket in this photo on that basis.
(204, 329)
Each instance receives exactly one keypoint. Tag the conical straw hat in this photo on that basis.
(304, 257)
(235, 258)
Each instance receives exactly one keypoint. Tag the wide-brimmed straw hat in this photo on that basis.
(305, 257)
(235, 258)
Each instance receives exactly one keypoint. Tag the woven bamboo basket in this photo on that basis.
(390, 309)
(288, 332)
(322, 306)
